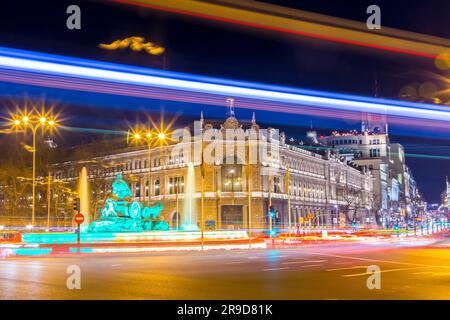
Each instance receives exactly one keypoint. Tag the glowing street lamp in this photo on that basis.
(150, 136)
(33, 120)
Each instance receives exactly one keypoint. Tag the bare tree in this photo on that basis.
(375, 204)
(353, 202)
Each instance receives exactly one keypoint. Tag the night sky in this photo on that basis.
(226, 51)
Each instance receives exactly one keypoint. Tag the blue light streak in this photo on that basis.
(34, 62)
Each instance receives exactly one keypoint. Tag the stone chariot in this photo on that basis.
(121, 214)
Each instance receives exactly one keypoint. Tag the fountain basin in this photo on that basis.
(131, 237)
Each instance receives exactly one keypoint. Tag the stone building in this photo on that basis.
(395, 190)
(233, 192)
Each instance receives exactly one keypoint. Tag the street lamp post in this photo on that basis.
(270, 206)
(249, 195)
(49, 194)
(33, 121)
(149, 137)
(177, 188)
(288, 189)
(202, 225)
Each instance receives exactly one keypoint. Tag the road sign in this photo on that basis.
(79, 218)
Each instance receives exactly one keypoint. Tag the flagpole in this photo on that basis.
(202, 225)
(270, 205)
(249, 191)
(288, 182)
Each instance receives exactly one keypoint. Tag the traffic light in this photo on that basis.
(76, 204)
(272, 212)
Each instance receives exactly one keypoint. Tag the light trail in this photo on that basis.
(86, 75)
(407, 155)
(94, 130)
(302, 23)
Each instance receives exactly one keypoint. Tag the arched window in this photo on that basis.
(231, 176)
(137, 190)
(157, 187)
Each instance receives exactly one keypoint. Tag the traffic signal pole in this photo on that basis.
(78, 235)
(79, 218)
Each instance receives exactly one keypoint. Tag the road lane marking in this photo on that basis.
(347, 268)
(388, 270)
(293, 262)
(383, 261)
(274, 269)
(236, 262)
(310, 265)
(431, 273)
(303, 261)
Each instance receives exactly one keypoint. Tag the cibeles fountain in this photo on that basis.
(126, 220)
(121, 214)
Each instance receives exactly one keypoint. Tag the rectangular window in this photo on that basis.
(176, 185)
(180, 184)
(276, 185)
(138, 190)
(171, 186)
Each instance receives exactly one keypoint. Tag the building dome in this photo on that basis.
(231, 123)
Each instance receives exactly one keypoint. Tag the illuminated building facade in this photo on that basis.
(395, 189)
(314, 189)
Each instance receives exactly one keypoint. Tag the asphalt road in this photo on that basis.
(335, 271)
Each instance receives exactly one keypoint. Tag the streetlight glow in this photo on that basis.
(33, 120)
(148, 135)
